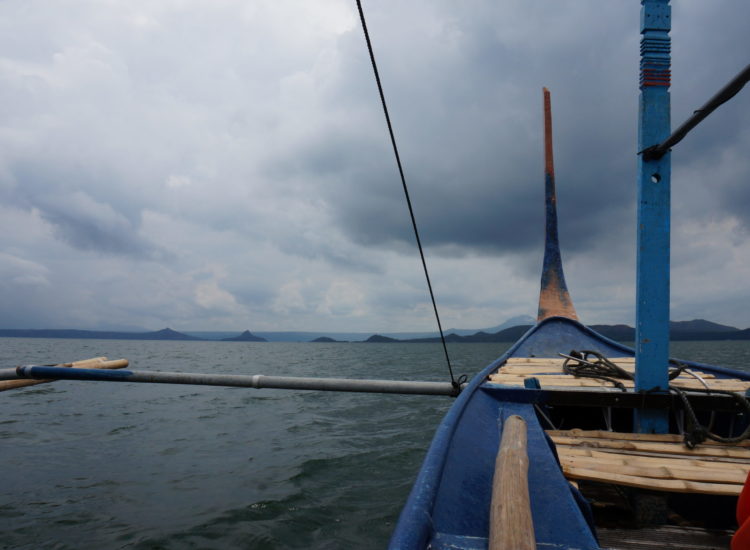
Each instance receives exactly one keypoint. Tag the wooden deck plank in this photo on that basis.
(633, 457)
(651, 461)
(669, 485)
(734, 476)
(603, 434)
(565, 380)
(557, 369)
(656, 447)
(560, 360)
(663, 537)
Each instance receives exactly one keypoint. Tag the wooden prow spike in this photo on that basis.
(554, 299)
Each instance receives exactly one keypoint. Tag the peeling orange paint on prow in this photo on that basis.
(555, 301)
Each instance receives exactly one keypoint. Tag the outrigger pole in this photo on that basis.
(409, 387)
(652, 278)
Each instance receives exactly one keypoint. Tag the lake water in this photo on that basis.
(89, 465)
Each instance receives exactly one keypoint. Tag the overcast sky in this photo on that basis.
(225, 164)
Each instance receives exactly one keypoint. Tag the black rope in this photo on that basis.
(455, 383)
(592, 364)
(655, 152)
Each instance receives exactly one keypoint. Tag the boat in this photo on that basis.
(571, 440)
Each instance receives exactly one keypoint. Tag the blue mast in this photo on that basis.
(652, 279)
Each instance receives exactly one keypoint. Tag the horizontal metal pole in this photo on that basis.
(233, 380)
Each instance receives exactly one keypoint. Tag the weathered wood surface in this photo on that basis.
(550, 375)
(511, 525)
(652, 461)
(663, 537)
(603, 434)
(93, 363)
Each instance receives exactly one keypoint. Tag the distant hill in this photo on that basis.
(699, 325)
(378, 339)
(507, 335)
(518, 320)
(246, 336)
(164, 334)
(697, 329)
(324, 340)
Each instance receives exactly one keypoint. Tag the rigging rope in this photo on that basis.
(455, 383)
(592, 364)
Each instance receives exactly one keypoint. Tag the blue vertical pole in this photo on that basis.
(652, 279)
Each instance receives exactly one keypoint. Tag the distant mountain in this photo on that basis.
(308, 336)
(518, 320)
(164, 334)
(324, 340)
(697, 329)
(378, 339)
(699, 325)
(246, 336)
(507, 335)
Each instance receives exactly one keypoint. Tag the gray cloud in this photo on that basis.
(229, 166)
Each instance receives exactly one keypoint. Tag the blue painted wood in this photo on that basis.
(652, 279)
(554, 298)
(449, 503)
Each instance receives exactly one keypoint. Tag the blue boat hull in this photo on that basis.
(449, 506)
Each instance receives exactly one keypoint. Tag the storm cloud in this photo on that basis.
(227, 165)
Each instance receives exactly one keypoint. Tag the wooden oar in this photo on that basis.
(93, 363)
(511, 525)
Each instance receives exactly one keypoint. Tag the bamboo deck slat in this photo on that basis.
(642, 457)
(669, 485)
(652, 461)
(655, 447)
(671, 438)
(550, 375)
